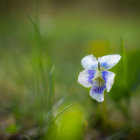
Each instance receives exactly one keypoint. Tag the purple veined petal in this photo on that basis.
(89, 62)
(97, 91)
(85, 77)
(109, 79)
(97, 97)
(109, 61)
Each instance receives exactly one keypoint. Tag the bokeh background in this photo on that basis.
(41, 46)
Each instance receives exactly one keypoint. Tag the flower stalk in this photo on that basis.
(104, 111)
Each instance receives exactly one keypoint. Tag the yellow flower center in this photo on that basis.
(99, 81)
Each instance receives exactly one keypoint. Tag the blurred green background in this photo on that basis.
(41, 46)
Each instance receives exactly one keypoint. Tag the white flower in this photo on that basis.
(96, 74)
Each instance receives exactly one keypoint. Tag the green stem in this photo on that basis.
(126, 86)
(104, 111)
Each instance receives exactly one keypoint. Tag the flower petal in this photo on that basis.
(85, 77)
(97, 91)
(97, 97)
(89, 62)
(109, 61)
(109, 79)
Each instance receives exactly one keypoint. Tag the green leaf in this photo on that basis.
(12, 129)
